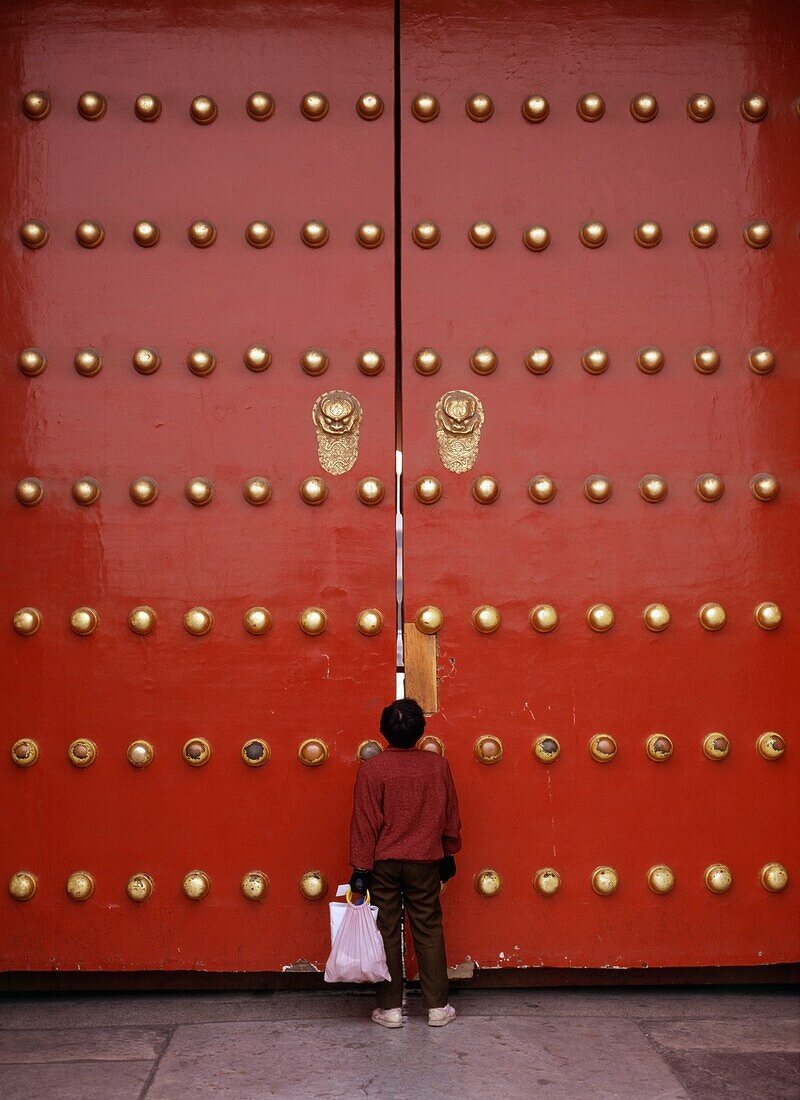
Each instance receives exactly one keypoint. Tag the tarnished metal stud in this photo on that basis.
(761, 360)
(764, 487)
(590, 107)
(370, 490)
(370, 234)
(147, 107)
(659, 747)
(535, 108)
(600, 618)
(482, 234)
(602, 747)
(25, 752)
(26, 621)
(768, 615)
(257, 620)
(650, 360)
(370, 362)
(314, 490)
(429, 619)
(774, 877)
(255, 752)
(661, 879)
(539, 360)
(92, 106)
(427, 489)
(29, 491)
(197, 752)
(314, 234)
(647, 234)
(593, 234)
(257, 358)
(427, 361)
(201, 361)
(712, 616)
(703, 234)
(198, 621)
(754, 107)
(429, 743)
(196, 885)
(479, 107)
(653, 488)
(705, 360)
(257, 490)
(83, 621)
(656, 617)
(312, 752)
(313, 620)
(757, 234)
(425, 107)
(369, 106)
(536, 238)
(543, 618)
(426, 234)
(709, 487)
(203, 110)
(718, 878)
(80, 885)
(88, 362)
(202, 234)
(700, 107)
(254, 885)
(369, 622)
(771, 746)
(597, 488)
(485, 489)
(483, 361)
(89, 234)
(142, 620)
(644, 107)
(716, 746)
(541, 489)
(595, 360)
(313, 885)
(259, 234)
(85, 491)
(488, 750)
(605, 881)
(260, 106)
(23, 885)
(31, 361)
(143, 491)
(200, 491)
(367, 749)
(140, 886)
(34, 234)
(546, 881)
(82, 753)
(314, 106)
(146, 360)
(546, 748)
(37, 105)
(488, 883)
(140, 754)
(485, 618)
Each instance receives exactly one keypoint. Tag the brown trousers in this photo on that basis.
(396, 883)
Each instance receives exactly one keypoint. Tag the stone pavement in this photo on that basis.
(740, 1043)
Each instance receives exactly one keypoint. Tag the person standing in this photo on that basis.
(404, 832)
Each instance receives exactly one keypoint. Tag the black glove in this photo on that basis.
(359, 881)
(447, 868)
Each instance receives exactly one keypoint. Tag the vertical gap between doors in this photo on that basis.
(398, 361)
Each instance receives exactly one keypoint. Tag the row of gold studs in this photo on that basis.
(592, 234)
(255, 885)
(427, 361)
(488, 749)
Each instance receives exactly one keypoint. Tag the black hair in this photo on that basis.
(403, 723)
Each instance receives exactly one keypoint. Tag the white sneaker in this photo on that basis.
(438, 1017)
(389, 1017)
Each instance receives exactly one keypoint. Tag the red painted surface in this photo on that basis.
(632, 813)
(113, 687)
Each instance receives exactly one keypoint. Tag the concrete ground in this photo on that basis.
(740, 1043)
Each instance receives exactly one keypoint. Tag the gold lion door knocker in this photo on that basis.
(459, 419)
(337, 418)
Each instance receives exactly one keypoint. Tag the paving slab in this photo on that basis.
(714, 1076)
(75, 1081)
(81, 1044)
(743, 1036)
(489, 1056)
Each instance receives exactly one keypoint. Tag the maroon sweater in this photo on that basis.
(404, 807)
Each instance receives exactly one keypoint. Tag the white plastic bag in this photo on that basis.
(357, 953)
